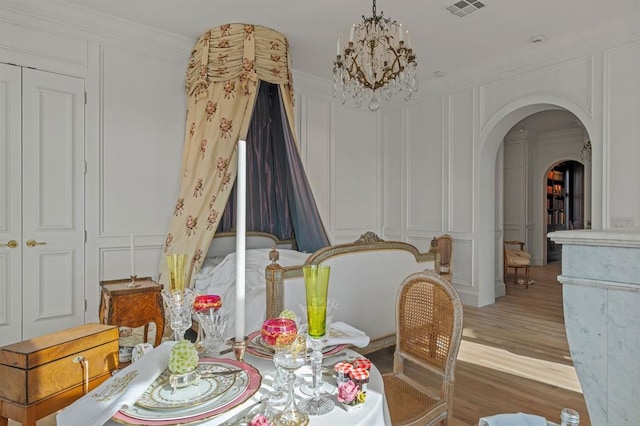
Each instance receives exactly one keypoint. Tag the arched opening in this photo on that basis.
(488, 205)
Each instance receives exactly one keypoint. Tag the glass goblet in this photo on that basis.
(273, 329)
(179, 304)
(291, 355)
(214, 322)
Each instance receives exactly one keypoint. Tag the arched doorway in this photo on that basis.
(489, 200)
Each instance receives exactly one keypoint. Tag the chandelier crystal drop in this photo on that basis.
(376, 63)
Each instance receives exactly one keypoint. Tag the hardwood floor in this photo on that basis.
(514, 355)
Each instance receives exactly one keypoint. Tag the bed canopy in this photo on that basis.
(234, 68)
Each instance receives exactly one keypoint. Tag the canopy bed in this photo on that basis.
(240, 125)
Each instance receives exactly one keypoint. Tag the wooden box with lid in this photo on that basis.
(42, 375)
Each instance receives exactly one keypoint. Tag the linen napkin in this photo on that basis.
(513, 419)
(341, 333)
(121, 390)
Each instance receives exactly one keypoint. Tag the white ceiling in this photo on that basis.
(443, 42)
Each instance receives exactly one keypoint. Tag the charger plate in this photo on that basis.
(257, 347)
(241, 387)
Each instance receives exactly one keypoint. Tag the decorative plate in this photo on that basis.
(160, 394)
(245, 384)
(257, 347)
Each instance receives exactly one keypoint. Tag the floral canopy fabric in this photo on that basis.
(225, 68)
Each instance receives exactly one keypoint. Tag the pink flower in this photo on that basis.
(347, 392)
(259, 420)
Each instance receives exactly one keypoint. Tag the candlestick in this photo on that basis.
(240, 238)
(133, 254)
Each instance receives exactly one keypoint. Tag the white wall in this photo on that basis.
(409, 172)
(595, 78)
(134, 126)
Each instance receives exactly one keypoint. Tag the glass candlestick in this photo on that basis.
(133, 283)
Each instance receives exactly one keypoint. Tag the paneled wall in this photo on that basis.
(595, 80)
(410, 172)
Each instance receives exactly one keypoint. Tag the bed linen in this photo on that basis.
(218, 276)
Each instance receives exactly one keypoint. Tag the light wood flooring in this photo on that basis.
(514, 355)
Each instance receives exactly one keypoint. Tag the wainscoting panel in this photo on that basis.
(425, 201)
(460, 167)
(393, 128)
(141, 142)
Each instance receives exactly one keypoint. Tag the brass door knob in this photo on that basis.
(33, 243)
(10, 244)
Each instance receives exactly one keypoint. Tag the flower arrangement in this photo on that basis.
(183, 357)
(350, 394)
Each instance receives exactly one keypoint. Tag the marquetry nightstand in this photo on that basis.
(133, 307)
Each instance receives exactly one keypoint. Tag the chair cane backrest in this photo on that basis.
(429, 321)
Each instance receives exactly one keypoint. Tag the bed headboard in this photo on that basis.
(365, 277)
(224, 243)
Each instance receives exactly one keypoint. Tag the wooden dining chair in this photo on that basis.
(516, 259)
(419, 391)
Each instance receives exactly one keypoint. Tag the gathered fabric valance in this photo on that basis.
(245, 52)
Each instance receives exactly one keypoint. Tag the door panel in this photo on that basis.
(53, 202)
(10, 205)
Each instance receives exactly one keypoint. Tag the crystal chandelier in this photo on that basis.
(376, 63)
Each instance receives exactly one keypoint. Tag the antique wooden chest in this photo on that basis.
(41, 375)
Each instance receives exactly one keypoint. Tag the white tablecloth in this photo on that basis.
(373, 413)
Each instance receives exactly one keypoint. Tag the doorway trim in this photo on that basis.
(487, 229)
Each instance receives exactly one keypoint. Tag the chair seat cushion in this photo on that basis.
(518, 258)
(406, 402)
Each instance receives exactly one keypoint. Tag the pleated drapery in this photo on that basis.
(226, 64)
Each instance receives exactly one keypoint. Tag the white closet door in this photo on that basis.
(53, 202)
(10, 205)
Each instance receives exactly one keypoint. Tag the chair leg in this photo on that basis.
(526, 272)
(515, 279)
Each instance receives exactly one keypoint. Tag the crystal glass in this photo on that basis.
(316, 282)
(290, 356)
(213, 322)
(178, 300)
(179, 304)
(273, 329)
(177, 264)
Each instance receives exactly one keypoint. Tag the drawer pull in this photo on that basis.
(85, 367)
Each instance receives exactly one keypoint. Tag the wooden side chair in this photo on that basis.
(444, 245)
(428, 334)
(516, 259)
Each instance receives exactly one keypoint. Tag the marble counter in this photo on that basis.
(601, 298)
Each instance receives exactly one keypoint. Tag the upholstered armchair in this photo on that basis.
(517, 258)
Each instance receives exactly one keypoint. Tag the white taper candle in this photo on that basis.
(338, 47)
(241, 230)
(133, 254)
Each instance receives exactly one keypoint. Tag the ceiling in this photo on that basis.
(444, 43)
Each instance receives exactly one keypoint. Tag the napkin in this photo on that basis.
(121, 390)
(341, 333)
(513, 419)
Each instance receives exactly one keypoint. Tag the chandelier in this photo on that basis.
(376, 63)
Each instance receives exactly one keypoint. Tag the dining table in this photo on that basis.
(373, 412)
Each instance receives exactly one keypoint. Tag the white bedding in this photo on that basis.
(218, 276)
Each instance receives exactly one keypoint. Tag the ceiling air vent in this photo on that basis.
(465, 7)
